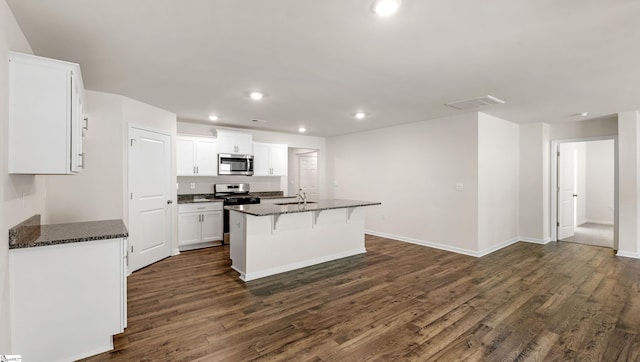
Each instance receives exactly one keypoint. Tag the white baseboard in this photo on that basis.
(535, 240)
(603, 222)
(628, 254)
(498, 247)
(444, 247)
(293, 266)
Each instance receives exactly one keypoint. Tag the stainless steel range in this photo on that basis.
(233, 194)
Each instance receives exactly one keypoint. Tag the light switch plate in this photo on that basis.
(193, 185)
(459, 186)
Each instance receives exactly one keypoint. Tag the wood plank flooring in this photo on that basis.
(526, 302)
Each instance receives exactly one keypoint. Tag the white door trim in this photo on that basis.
(554, 184)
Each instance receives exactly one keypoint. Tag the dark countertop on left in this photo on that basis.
(32, 234)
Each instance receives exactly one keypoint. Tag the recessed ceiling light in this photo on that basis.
(213, 117)
(302, 130)
(584, 114)
(360, 115)
(256, 96)
(385, 7)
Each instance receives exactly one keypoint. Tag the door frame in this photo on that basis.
(170, 188)
(554, 183)
(302, 154)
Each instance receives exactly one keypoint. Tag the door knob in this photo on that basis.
(169, 201)
(575, 195)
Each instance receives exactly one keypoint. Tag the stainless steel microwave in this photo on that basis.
(235, 164)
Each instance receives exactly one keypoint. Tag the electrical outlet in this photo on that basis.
(193, 185)
(459, 186)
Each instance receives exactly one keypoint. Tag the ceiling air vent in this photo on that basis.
(475, 103)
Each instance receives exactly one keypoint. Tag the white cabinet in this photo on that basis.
(270, 159)
(196, 156)
(67, 300)
(199, 224)
(46, 116)
(235, 142)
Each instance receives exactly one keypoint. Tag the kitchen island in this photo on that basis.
(268, 239)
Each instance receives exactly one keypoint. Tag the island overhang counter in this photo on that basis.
(267, 239)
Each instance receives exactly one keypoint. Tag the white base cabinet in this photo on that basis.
(200, 225)
(68, 300)
(46, 116)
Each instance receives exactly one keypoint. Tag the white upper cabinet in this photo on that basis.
(270, 159)
(196, 156)
(46, 116)
(235, 142)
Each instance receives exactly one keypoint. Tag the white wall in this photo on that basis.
(97, 192)
(22, 195)
(600, 181)
(607, 126)
(628, 184)
(413, 170)
(257, 183)
(497, 182)
(534, 182)
(100, 191)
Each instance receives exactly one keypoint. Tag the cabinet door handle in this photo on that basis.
(81, 165)
(197, 169)
(86, 124)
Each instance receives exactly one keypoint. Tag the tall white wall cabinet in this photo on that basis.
(46, 116)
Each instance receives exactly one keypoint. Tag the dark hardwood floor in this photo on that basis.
(560, 301)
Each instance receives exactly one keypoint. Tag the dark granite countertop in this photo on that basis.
(272, 209)
(196, 198)
(31, 234)
(277, 197)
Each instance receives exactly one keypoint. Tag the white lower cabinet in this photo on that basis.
(200, 225)
(67, 300)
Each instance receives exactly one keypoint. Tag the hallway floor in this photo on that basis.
(593, 234)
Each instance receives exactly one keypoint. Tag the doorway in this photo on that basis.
(303, 171)
(585, 201)
(150, 204)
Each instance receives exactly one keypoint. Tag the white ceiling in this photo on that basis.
(320, 61)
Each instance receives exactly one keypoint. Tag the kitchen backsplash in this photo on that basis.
(204, 185)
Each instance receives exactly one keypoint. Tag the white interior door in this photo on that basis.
(150, 205)
(308, 174)
(566, 190)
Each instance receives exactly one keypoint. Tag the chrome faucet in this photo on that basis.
(302, 197)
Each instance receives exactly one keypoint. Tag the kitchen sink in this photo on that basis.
(294, 203)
